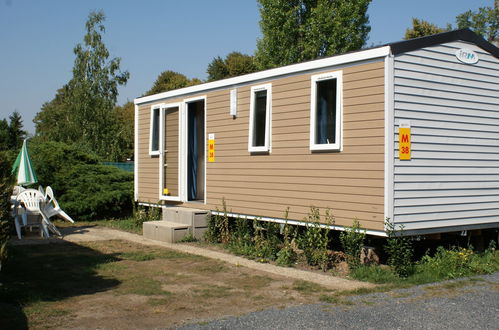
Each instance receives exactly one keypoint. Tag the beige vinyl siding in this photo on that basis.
(350, 182)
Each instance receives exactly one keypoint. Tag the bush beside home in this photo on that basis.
(85, 189)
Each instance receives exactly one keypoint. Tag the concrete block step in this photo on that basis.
(188, 216)
(165, 231)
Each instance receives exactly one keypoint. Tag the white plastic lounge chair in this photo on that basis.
(40, 189)
(32, 202)
(52, 207)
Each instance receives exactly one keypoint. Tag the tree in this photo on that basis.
(484, 22)
(234, 64)
(12, 133)
(4, 134)
(82, 111)
(54, 122)
(16, 132)
(421, 28)
(169, 80)
(299, 30)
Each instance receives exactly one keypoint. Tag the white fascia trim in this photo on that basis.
(389, 138)
(295, 222)
(338, 145)
(136, 155)
(294, 68)
(268, 118)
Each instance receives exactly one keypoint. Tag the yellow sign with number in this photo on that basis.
(404, 142)
(211, 151)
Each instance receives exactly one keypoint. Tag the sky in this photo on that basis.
(37, 38)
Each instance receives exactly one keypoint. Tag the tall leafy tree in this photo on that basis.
(485, 21)
(4, 134)
(234, 64)
(299, 30)
(12, 133)
(93, 90)
(421, 28)
(83, 110)
(16, 132)
(169, 80)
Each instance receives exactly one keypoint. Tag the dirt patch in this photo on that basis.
(144, 287)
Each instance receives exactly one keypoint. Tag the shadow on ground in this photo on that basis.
(49, 272)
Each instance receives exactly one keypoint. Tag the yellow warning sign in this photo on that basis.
(211, 148)
(405, 141)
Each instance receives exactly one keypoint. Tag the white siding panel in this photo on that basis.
(453, 176)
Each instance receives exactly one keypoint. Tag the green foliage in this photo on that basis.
(169, 80)
(218, 227)
(12, 133)
(267, 241)
(51, 159)
(457, 262)
(314, 240)
(484, 22)
(241, 241)
(82, 111)
(6, 181)
(287, 254)
(188, 238)
(421, 28)
(352, 240)
(299, 30)
(84, 189)
(234, 64)
(142, 214)
(90, 192)
(399, 249)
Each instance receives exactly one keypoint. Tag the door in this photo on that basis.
(196, 148)
(170, 187)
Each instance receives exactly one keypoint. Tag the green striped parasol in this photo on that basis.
(23, 168)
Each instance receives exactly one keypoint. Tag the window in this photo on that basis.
(326, 111)
(154, 131)
(260, 116)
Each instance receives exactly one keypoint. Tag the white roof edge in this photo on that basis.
(293, 68)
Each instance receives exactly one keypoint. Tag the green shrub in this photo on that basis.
(352, 240)
(142, 214)
(241, 242)
(287, 254)
(90, 192)
(314, 240)
(83, 188)
(457, 262)
(399, 249)
(267, 240)
(6, 181)
(218, 226)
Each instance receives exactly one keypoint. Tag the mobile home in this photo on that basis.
(407, 131)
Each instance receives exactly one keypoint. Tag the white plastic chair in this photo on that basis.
(32, 202)
(52, 207)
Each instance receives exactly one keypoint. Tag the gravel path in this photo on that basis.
(460, 304)
(81, 234)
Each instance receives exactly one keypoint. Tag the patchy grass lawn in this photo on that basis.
(120, 284)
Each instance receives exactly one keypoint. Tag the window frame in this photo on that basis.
(268, 117)
(151, 129)
(338, 145)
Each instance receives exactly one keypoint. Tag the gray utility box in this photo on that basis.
(176, 224)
